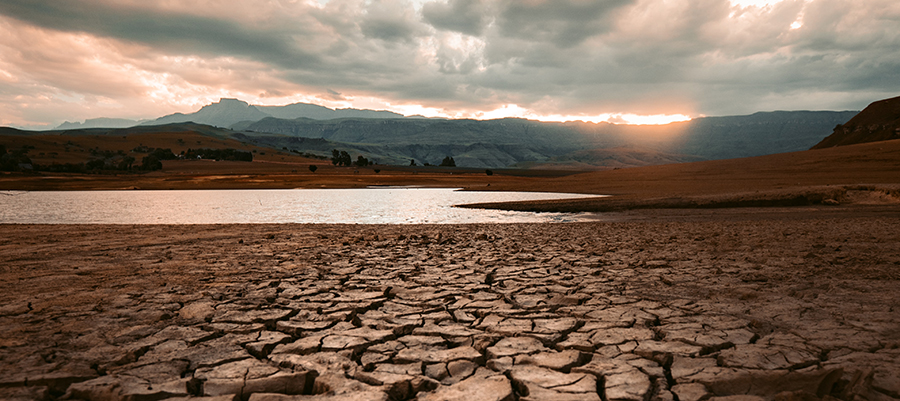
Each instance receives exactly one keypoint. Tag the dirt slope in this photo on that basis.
(880, 121)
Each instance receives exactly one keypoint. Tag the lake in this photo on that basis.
(390, 205)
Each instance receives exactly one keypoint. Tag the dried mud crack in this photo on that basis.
(796, 309)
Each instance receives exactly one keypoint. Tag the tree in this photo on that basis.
(489, 172)
(313, 168)
(126, 162)
(448, 162)
(361, 161)
(151, 163)
(335, 157)
(412, 162)
(341, 158)
(15, 160)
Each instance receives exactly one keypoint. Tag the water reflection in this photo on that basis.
(359, 206)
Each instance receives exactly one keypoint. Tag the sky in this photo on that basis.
(623, 61)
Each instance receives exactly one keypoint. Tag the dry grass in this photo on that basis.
(775, 180)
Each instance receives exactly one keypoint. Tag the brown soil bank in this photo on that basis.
(880, 121)
(864, 173)
(804, 307)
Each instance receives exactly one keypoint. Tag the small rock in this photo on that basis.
(691, 392)
(512, 346)
(199, 311)
(435, 356)
(250, 376)
(494, 388)
(561, 361)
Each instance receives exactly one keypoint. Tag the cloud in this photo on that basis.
(463, 16)
(77, 58)
(564, 23)
(390, 21)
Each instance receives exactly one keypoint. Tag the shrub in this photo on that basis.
(15, 160)
(151, 163)
(488, 172)
(313, 168)
(96, 164)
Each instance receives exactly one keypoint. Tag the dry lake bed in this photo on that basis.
(696, 305)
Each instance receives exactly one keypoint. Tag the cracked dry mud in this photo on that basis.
(799, 309)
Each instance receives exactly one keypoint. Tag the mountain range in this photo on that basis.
(227, 112)
(102, 122)
(528, 143)
(391, 138)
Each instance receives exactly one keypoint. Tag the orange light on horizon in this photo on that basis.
(624, 119)
(512, 110)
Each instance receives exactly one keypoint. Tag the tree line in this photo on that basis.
(218, 154)
(342, 158)
(107, 160)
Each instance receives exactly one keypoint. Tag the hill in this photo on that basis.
(49, 148)
(609, 158)
(880, 121)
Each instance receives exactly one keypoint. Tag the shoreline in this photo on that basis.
(855, 174)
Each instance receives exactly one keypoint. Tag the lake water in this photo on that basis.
(362, 206)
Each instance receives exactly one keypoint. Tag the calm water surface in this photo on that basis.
(363, 206)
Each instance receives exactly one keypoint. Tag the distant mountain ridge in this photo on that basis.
(227, 112)
(879, 121)
(101, 122)
(757, 134)
(316, 112)
(223, 114)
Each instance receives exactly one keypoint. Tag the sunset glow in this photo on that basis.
(597, 61)
(754, 3)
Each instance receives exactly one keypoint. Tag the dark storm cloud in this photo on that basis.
(390, 22)
(565, 23)
(166, 31)
(463, 16)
